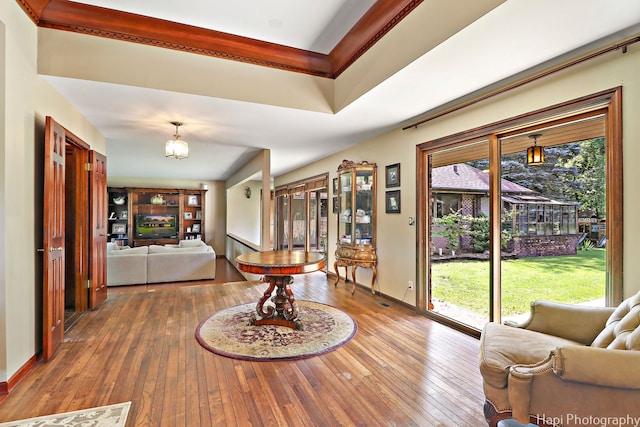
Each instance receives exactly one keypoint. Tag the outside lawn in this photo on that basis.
(568, 279)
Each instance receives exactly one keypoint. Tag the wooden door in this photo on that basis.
(98, 229)
(53, 238)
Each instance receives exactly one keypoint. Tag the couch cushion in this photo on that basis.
(622, 331)
(158, 249)
(130, 251)
(198, 249)
(190, 243)
(503, 346)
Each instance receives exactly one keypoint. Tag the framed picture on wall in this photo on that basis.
(335, 204)
(392, 200)
(335, 186)
(392, 175)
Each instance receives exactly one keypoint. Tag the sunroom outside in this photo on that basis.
(553, 234)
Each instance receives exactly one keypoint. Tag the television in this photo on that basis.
(155, 226)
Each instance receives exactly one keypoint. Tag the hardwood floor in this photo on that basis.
(401, 369)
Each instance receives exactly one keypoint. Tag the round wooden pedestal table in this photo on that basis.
(278, 268)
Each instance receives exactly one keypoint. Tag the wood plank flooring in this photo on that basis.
(401, 369)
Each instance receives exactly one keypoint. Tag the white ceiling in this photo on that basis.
(224, 133)
(310, 25)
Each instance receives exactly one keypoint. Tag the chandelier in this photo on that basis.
(176, 147)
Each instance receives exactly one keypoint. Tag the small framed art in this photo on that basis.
(195, 228)
(192, 200)
(392, 201)
(188, 215)
(392, 175)
(119, 228)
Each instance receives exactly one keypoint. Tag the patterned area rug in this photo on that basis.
(228, 333)
(102, 416)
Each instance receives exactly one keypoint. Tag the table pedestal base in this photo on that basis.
(285, 312)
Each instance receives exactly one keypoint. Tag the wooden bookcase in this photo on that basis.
(155, 216)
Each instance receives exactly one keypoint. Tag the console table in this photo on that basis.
(278, 267)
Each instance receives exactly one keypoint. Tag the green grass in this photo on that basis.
(569, 279)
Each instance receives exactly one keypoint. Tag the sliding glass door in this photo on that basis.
(503, 227)
(459, 229)
(302, 215)
(555, 215)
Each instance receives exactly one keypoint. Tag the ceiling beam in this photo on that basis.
(109, 23)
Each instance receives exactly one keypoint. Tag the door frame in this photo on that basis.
(77, 186)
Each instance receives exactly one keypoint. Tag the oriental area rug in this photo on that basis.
(229, 333)
(102, 416)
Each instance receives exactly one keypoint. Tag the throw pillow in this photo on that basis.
(191, 243)
(131, 251)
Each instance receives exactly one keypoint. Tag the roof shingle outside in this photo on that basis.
(464, 178)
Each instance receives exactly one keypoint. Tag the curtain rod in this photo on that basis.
(622, 45)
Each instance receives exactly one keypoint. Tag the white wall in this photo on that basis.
(248, 219)
(26, 101)
(244, 214)
(396, 239)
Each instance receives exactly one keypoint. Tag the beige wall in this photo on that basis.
(27, 100)
(396, 247)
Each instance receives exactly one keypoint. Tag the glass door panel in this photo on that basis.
(317, 221)
(364, 207)
(344, 207)
(312, 224)
(549, 250)
(298, 213)
(458, 264)
(282, 224)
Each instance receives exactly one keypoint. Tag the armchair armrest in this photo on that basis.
(575, 322)
(580, 368)
(598, 366)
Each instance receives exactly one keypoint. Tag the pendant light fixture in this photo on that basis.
(176, 147)
(535, 153)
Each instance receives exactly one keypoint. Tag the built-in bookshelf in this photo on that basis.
(158, 216)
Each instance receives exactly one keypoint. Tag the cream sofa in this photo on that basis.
(568, 365)
(188, 260)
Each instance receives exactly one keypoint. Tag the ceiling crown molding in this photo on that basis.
(108, 23)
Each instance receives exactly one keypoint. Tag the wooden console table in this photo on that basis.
(278, 267)
(354, 257)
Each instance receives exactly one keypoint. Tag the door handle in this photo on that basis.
(58, 249)
(40, 250)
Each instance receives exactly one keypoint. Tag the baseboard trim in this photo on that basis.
(7, 386)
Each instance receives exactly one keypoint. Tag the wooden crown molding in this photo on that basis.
(108, 23)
